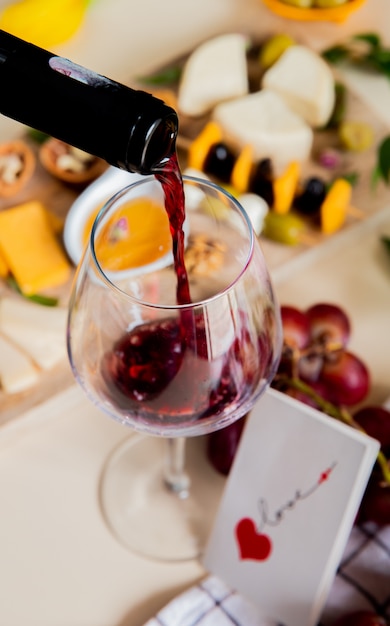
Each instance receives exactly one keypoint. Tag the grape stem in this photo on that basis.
(339, 413)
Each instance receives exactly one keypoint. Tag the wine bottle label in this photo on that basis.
(77, 72)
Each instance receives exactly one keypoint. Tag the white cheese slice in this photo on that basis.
(37, 330)
(263, 120)
(216, 71)
(306, 83)
(17, 372)
(34, 316)
(46, 348)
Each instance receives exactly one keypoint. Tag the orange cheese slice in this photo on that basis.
(3, 267)
(30, 248)
(335, 206)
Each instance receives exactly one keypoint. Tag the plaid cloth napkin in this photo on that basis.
(363, 577)
(362, 582)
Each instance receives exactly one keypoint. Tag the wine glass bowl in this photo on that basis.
(165, 369)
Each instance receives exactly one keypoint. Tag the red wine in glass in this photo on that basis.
(157, 366)
(165, 365)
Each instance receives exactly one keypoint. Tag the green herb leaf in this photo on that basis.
(381, 55)
(373, 56)
(375, 177)
(335, 54)
(384, 159)
(351, 177)
(166, 77)
(36, 297)
(386, 242)
(37, 135)
(339, 108)
(43, 300)
(372, 38)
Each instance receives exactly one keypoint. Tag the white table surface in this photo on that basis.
(59, 565)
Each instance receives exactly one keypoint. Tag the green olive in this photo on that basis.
(328, 4)
(356, 136)
(284, 228)
(302, 4)
(273, 49)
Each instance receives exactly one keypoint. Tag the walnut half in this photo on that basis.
(17, 165)
(70, 164)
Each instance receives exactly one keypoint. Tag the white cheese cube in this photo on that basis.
(17, 372)
(18, 310)
(305, 82)
(45, 348)
(263, 120)
(216, 71)
(37, 330)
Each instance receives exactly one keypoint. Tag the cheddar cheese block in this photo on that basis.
(30, 248)
(3, 267)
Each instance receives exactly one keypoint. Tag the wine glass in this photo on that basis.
(169, 371)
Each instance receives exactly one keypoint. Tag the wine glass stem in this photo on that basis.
(175, 476)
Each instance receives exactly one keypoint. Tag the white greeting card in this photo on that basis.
(288, 507)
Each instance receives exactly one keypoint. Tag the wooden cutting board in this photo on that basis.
(58, 198)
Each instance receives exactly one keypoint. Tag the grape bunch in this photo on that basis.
(318, 368)
(360, 618)
(375, 505)
(315, 352)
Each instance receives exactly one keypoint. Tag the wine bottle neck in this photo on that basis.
(130, 129)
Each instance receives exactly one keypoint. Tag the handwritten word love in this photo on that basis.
(252, 542)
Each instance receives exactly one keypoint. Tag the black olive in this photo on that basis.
(312, 196)
(219, 162)
(261, 181)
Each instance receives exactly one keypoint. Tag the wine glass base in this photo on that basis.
(144, 514)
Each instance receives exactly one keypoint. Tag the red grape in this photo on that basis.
(375, 421)
(329, 324)
(310, 366)
(360, 618)
(375, 505)
(296, 328)
(315, 350)
(222, 446)
(346, 378)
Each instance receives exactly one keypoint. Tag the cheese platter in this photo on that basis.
(301, 145)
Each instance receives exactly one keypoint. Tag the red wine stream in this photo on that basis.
(172, 184)
(164, 367)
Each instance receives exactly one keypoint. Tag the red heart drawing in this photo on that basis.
(252, 544)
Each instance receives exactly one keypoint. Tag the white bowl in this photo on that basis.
(93, 197)
(98, 192)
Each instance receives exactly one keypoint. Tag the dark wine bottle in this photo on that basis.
(129, 128)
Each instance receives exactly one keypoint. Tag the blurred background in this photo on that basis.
(124, 39)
